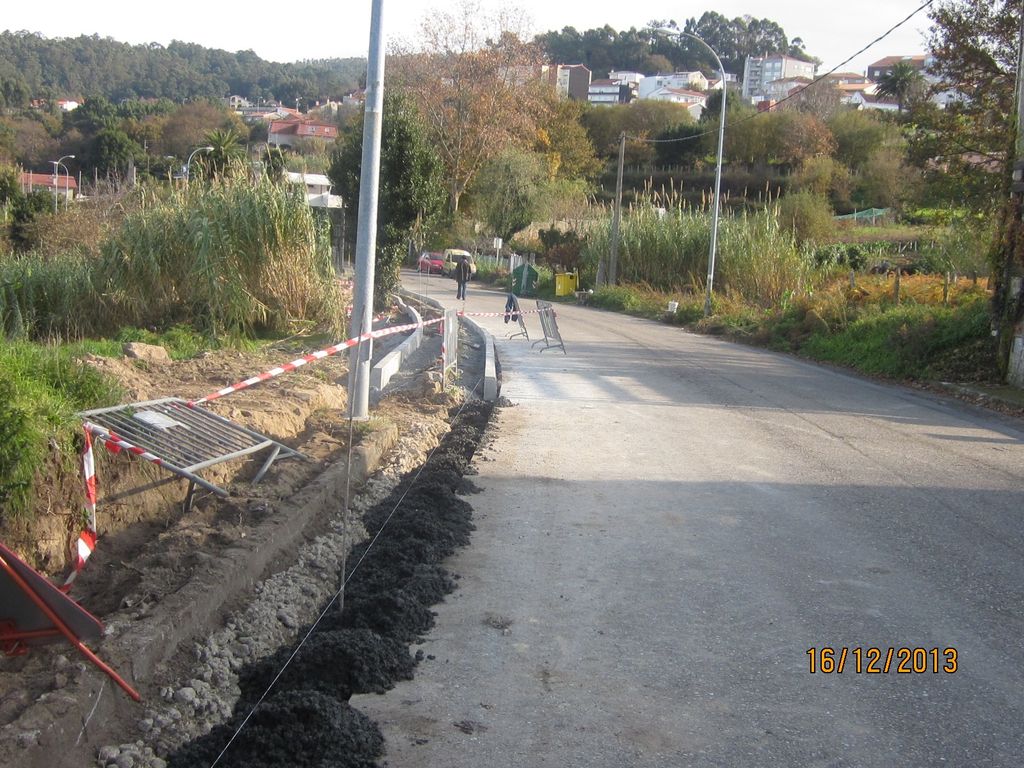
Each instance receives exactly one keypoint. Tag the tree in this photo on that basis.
(187, 127)
(975, 45)
(681, 146)
(506, 190)
(411, 197)
(113, 152)
(903, 82)
(478, 87)
(857, 133)
(227, 151)
(642, 119)
(273, 162)
(885, 180)
(564, 142)
(825, 177)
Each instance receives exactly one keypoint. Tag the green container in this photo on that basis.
(524, 280)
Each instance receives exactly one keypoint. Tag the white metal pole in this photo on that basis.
(718, 179)
(366, 234)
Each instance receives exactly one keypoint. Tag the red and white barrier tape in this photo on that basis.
(115, 444)
(274, 372)
(86, 542)
(460, 313)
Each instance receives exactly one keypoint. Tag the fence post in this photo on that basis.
(853, 278)
(896, 286)
(945, 290)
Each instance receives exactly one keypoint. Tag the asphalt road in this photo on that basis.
(667, 523)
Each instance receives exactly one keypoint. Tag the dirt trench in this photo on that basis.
(392, 579)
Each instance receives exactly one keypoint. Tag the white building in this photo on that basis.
(691, 81)
(605, 93)
(760, 71)
(318, 189)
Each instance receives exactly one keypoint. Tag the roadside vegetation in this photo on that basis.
(224, 262)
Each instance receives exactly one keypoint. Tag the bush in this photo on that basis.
(808, 216)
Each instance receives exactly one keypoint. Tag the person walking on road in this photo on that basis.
(462, 273)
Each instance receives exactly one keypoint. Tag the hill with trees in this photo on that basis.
(34, 67)
(648, 50)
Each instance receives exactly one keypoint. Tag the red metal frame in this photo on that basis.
(12, 640)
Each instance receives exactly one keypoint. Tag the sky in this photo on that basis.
(831, 30)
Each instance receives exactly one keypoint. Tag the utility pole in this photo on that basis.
(366, 233)
(1009, 296)
(613, 256)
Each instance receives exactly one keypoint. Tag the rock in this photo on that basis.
(108, 754)
(186, 695)
(124, 760)
(151, 353)
(287, 619)
(28, 739)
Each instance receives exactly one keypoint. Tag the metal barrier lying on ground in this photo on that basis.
(514, 313)
(181, 438)
(548, 324)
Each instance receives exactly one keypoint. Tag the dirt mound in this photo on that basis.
(300, 729)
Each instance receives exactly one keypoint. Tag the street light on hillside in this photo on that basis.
(718, 170)
(56, 177)
(188, 163)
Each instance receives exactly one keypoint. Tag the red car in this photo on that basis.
(431, 262)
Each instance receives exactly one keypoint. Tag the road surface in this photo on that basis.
(667, 525)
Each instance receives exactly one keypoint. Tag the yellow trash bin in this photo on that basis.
(566, 283)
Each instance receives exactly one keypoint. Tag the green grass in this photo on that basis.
(912, 341)
(41, 388)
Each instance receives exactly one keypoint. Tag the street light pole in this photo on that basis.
(718, 179)
(366, 232)
(56, 178)
(188, 163)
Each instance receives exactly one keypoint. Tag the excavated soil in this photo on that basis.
(205, 609)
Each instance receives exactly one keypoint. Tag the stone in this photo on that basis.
(108, 754)
(186, 695)
(150, 353)
(28, 739)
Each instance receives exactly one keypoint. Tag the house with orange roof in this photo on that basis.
(289, 131)
(63, 184)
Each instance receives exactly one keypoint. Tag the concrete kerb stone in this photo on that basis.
(391, 363)
(490, 351)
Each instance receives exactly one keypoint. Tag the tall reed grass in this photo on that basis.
(235, 257)
(664, 243)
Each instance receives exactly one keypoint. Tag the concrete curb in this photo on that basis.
(238, 568)
(490, 351)
(391, 363)
(490, 359)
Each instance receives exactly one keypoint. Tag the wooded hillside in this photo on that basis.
(33, 66)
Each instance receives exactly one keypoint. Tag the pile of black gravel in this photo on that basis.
(306, 720)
